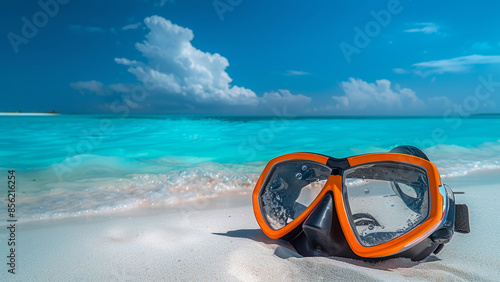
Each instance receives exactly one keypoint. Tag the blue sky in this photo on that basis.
(251, 57)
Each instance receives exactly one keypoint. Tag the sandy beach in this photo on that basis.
(29, 114)
(219, 239)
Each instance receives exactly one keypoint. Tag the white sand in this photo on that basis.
(28, 114)
(220, 240)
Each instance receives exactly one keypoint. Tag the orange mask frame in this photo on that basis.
(335, 185)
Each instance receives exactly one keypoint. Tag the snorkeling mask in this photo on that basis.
(369, 207)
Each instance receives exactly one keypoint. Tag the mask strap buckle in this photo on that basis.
(462, 224)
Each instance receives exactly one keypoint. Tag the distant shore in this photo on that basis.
(29, 114)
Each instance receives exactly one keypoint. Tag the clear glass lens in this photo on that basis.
(289, 189)
(385, 200)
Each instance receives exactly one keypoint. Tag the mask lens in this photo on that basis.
(289, 189)
(385, 200)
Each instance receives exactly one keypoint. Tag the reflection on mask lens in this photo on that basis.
(289, 189)
(385, 200)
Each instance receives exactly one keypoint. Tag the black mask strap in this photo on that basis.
(462, 224)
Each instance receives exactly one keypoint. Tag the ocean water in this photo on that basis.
(72, 165)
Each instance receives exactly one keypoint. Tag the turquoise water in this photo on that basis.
(69, 165)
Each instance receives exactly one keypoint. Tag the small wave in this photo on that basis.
(100, 185)
(133, 192)
(453, 160)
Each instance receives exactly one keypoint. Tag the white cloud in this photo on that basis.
(454, 65)
(427, 28)
(120, 87)
(92, 86)
(132, 26)
(296, 103)
(376, 97)
(181, 69)
(295, 72)
(97, 87)
(400, 71)
(285, 96)
(181, 78)
(176, 69)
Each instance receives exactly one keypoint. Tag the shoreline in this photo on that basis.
(124, 206)
(29, 114)
(228, 199)
(221, 240)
